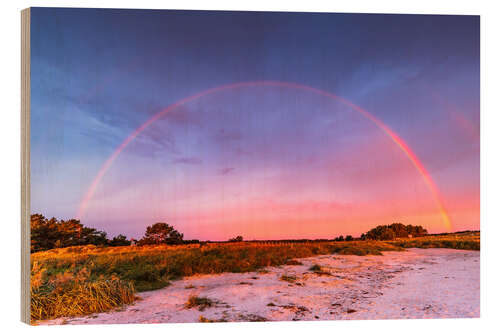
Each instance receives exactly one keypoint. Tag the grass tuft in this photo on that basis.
(202, 319)
(315, 268)
(288, 278)
(69, 299)
(198, 302)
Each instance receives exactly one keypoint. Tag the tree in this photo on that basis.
(381, 232)
(399, 229)
(161, 233)
(416, 231)
(395, 230)
(387, 234)
(348, 238)
(236, 239)
(44, 233)
(120, 240)
(51, 233)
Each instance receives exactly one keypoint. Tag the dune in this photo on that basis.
(417, 283)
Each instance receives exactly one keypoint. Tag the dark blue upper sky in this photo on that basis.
(99, 74)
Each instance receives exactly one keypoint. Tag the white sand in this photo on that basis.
(418, 283)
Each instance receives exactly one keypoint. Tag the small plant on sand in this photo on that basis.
(190, 286)
(252, 317)
(198, 302)
(293, 262)
(288, 278)
(202, 319)
(315, 268)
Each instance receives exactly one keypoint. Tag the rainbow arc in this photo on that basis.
(390, 133)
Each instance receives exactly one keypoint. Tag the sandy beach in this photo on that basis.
(417, 283)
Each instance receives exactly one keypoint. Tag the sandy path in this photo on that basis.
(418, 283)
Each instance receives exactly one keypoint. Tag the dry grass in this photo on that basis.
(75, 299)
(461, 241)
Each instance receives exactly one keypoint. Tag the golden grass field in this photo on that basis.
(82, 280)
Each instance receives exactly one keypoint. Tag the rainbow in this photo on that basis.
(391, 134)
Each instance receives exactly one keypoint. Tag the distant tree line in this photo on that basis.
(51, 233)
(236, 239)
(341, 238)
(395, 230)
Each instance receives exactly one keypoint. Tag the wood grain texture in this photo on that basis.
(25, 165)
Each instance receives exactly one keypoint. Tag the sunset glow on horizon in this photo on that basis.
(244, 128)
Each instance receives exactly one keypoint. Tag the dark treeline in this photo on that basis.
(395, 230)
(51, 233)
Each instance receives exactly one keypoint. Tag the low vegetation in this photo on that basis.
(315, 268)
(318, 270)
(141, 268)
(202, 319)
(288, 278)
(460, 241)
(201, 303)
(68, 294)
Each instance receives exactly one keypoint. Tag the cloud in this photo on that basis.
(187, 160)
(225, 171)
(223, 135)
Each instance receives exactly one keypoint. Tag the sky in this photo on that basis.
(261, 160)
